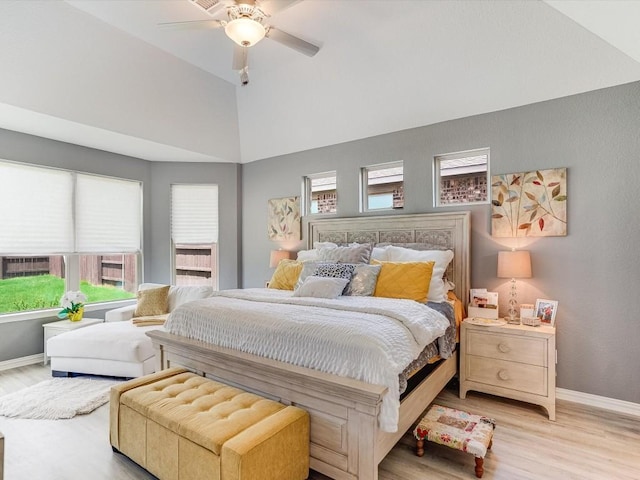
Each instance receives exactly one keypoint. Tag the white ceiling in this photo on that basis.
(133, 88)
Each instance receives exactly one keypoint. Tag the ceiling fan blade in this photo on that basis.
(193, 24)
(271, 7)
(290, 41)
(240, 57)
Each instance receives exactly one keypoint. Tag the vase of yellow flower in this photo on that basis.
(72, 306)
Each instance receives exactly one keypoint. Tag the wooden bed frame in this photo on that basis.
(346, 442)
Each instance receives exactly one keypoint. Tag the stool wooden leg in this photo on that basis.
(420, 448)
(479, 467)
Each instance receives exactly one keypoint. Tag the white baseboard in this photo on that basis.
(22, 361)
(607, 403)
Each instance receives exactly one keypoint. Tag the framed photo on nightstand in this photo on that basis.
(546, 311)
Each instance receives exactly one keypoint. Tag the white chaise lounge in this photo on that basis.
(116, 348)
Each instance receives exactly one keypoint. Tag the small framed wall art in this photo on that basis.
(283, 221)
(529, 204)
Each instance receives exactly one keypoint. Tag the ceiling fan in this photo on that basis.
(245, 22)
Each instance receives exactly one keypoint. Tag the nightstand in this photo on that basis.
(512, 361)
(56, 328)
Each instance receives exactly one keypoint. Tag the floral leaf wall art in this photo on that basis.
(529, 204)
(283, 221)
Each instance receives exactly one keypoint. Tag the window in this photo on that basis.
(56, 224)
(382, 186)
(194, 234)
(320, 194)
(461, 178)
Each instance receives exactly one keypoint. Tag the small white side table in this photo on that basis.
(56, 328)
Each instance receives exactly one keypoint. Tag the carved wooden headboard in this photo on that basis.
(441, 231)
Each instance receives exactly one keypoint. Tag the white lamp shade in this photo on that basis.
(276, 256)
(245, 31)
(514, 264)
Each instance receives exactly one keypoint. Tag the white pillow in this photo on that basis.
(380, 254)
(442, 258)
(307, 255)
(321, 287)
(187, 293)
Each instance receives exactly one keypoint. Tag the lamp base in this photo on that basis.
(512, 321)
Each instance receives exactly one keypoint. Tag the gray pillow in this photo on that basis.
(321, 287)
(363, 282)
(351, 254)
(308, 269)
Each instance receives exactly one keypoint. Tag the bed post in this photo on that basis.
(367, 464)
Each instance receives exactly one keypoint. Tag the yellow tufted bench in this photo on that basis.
(181, 426)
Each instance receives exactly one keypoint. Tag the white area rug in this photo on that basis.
(57, 398)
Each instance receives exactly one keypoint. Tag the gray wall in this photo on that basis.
(227, 176)
(592, 272)
(23, 338)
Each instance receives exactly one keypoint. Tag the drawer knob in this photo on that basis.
(504, 348)
(503, 375)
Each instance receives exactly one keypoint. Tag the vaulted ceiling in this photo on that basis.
(101, 73)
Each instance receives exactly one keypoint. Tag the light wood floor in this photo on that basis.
(584, 443)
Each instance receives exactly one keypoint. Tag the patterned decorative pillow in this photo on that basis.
(152, 301)
(360, 253)
(321, 287)
(363, 282)
(335, 270)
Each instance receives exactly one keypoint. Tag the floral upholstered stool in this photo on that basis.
(456, 429)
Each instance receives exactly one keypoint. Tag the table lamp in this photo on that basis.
(276, 256)
(514, 264)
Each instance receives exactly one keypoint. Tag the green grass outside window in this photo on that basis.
(44, 291)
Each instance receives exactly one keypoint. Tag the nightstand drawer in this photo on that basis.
(505, 374)
(514, 348)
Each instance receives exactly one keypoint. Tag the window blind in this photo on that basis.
(36, 214)
(194, 214)
(108, 215)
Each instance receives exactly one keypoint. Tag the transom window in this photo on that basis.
(382, 186)
(461, 178)
(320, 194)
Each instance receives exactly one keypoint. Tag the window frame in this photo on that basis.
(307, 194)
(437, 178)
(364, 185)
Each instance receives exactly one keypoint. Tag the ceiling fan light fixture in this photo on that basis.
(245, 31)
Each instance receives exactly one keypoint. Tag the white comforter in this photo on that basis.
(366, 338)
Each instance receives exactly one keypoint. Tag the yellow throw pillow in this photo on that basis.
(409, 280)
(286, 275)
(153, 301)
